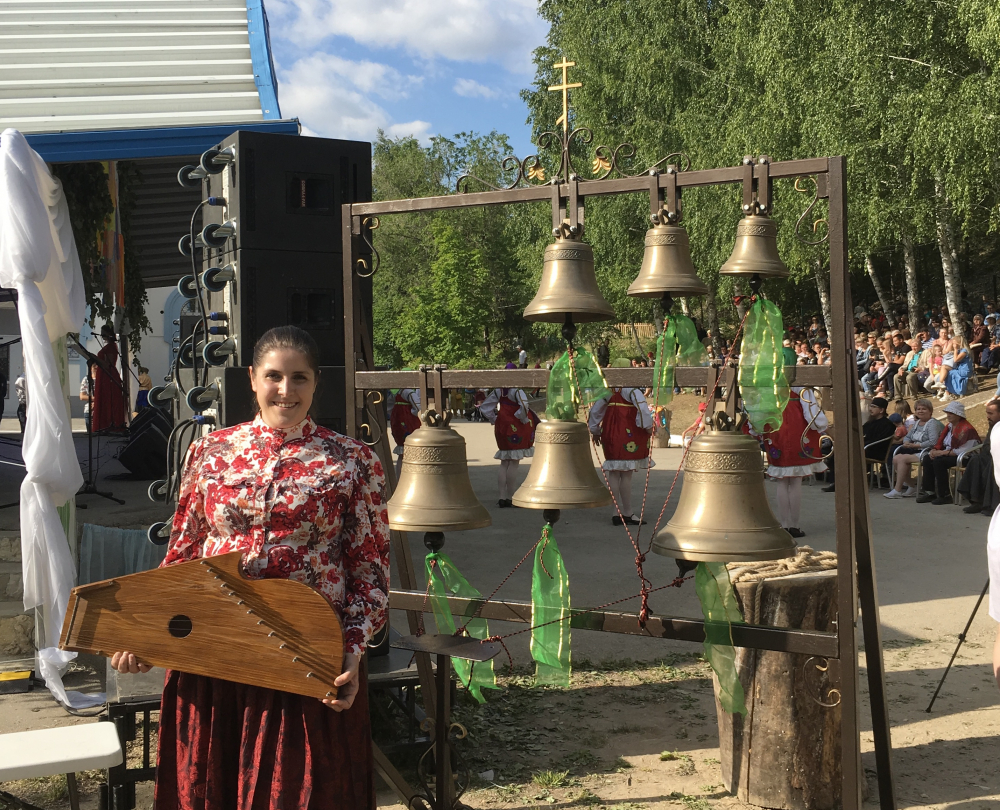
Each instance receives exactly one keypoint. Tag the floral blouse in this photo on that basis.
(304, 503)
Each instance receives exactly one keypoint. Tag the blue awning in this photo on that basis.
(125, 144)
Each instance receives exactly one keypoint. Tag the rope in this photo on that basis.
(807, 560)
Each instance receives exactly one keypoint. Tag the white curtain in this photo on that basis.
(38, 258)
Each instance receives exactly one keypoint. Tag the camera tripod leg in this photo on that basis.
(961, 639)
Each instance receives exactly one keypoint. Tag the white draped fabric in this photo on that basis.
(38, 258)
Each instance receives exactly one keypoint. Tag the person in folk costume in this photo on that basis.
(302, 503)
(514, 428)
(403, 420)
(792, 456)
(108, 408)
(622, 424)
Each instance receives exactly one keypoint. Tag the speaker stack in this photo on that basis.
(271, 255)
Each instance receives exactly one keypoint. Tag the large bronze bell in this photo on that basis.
(568, 286)
(562, 474)
(666, 265)
(434, 493)
(723, 514)
(756, 249)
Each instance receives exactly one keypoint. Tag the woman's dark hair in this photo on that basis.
(287, 337)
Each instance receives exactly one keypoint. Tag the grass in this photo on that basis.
(551, 779)
(671, 756)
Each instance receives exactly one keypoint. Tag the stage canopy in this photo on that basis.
(133, 79)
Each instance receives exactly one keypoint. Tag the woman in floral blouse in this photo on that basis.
(303, 503)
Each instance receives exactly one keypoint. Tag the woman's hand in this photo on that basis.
(346, 683)
(126, 663)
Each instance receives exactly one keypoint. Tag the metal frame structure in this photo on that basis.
(835, 653)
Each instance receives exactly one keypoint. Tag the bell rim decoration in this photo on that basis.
(766, 263)
(700, 530)
(589, 495)
(581, 298)
(437, 450)
(667, 242)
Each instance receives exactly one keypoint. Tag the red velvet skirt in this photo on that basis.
(228, 746)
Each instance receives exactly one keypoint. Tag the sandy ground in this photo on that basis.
(598, 743)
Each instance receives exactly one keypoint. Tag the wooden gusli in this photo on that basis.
(205, 617)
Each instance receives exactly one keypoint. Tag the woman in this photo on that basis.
(622, 423)
(145, 386)
(793, 452)
(922, 435)
(957, 379)
(514, 429)
(307, 504)
(404, 418)
(905, 383)
(108, 411)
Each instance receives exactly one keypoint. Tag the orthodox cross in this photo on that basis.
(565, 87)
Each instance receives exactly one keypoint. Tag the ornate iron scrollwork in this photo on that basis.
(361, 267)
(374, 435)
(812, 204)
(462, 776)
(832, 696)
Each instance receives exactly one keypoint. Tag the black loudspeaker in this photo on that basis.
(283, 196)
(145, 455)
(329, 405)
(275, 288)
(285, 191)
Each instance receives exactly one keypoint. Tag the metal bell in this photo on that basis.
(723, 514)
(666, 265)
(434, 493)
(562, 474)
(756, 250)
(568, 286)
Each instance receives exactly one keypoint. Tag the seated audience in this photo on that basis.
(957, 436)
(978, 483)
(921, 435)
(877, 432)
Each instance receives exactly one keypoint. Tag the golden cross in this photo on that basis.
(565, 87)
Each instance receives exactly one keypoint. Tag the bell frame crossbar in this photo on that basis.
(855, 558)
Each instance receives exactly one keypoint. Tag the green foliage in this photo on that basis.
(908, 91)
(86, 188)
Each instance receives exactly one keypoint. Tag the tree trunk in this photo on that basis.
(912, 296)
(886, 307)
(685, 308)
(823, 289)
(785, 753)
(949, 256)
(713, 320)
(638, 343)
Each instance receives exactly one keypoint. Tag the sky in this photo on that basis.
(347, 68)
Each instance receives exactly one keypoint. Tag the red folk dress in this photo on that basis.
(108, 412)
(792, 451)
(624, 423)
(513, 422)
(404, 417)
(304, 504)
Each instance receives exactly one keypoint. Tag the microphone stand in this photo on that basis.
(90, 485)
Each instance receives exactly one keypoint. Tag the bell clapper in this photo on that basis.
(569, 330)
(551, 516)
(434, 541)
(755, 284)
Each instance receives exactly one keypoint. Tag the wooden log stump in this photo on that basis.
(786, 752)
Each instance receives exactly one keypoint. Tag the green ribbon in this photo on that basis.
(690, 350)
(572, 385)
(550, 613)
(663, 365)
(721, 611)
(446, 580)
(761, 376)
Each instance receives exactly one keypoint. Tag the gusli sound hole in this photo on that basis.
(179, 626)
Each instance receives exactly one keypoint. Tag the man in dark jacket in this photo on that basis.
(978, 483)
(877, 433)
